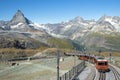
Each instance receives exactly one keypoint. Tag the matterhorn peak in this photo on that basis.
(19, 13)
(19, 18)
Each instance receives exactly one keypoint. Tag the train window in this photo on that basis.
(105, 63)
(100, 63)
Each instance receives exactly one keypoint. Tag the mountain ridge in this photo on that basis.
(82, 30)
(27, 34)
(76, 29)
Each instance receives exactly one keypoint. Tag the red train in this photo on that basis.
(100, 63)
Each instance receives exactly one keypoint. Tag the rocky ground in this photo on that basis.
(114, 61)
(43, 69)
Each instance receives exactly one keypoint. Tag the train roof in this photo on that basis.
(102, 60)
(98, 57)
(84, 55)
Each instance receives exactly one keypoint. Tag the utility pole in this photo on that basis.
(84, 54)
(110, 56)
(74, 57)
(58, 65)
(89, 58)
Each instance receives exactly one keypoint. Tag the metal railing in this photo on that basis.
(71, 74)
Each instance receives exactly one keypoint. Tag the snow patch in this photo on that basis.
(116, 25)
(85, 24)
(39, 26)
(16, 26)
(67, 27)
(57, 35)
(3, 26)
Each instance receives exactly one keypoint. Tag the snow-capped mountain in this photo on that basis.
(21, 29)
(107, 24)
(79, 27)
(84, 31)
(68, 29)
(103, 33)
(19, 23)
(19, 18)
(26, 34)
(72, 29)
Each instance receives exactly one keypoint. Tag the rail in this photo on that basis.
(73, 73)
(92, 75)
(115, 72)
(102, 76)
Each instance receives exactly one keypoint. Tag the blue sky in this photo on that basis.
(54, 11)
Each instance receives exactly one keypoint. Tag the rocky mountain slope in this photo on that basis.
(101, 34)
(27, 34)
(91, 33)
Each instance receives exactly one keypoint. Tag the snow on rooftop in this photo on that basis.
(102, 60)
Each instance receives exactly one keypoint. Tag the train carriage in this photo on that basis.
(92, 59)
(102, 65)
(84, 57)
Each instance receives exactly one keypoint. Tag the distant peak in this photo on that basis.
(18, 10)
(78, 18)
(19, 13)
(19, 18)
(104, 17)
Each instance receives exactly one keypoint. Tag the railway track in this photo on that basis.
(115, 72)
(102, 76)
(92, 75)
